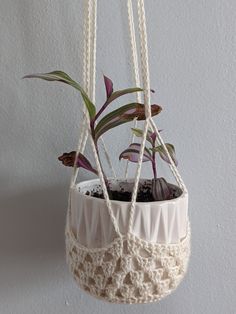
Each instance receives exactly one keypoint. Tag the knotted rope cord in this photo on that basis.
(134, 59)
(146, 83)
(133, 45)
(108, 158)
(172, 166)
(93, 52)
(83, 133)
(93, 79)
(90, 22)
(137, 82)
(135, 65)
(147, 103)
(89, 75)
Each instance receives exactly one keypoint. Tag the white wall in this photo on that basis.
(192, 56)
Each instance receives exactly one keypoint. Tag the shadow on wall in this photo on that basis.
(34, 220)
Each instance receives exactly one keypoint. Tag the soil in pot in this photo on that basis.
(144, 194)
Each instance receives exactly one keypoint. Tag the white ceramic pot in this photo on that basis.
(156, 222)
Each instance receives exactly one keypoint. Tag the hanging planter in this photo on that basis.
(141, 266)
(127, 240)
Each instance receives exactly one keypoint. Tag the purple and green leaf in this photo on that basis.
(61, 76)
(160, 149)
(109, 86)
(68, 159)
(111, 96)
(123, 92)
(123, 115)
(151, 136)
(126, 91)
(133, 151)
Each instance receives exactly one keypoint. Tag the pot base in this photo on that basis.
(129, 270)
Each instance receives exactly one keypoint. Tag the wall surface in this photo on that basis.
(192, 57)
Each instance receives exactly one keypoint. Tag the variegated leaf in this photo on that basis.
(61, 76)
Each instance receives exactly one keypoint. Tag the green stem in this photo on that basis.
(101, 110)
(154, 167)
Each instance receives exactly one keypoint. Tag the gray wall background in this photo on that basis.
(192, 57)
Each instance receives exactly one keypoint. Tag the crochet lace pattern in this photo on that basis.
(129, 270)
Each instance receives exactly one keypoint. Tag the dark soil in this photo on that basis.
(144, 195)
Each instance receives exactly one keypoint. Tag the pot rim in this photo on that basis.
(184, 194)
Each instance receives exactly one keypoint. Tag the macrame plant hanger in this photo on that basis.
(119, 279)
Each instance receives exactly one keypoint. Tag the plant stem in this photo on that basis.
(92, 125)
(101, 110)
(154, 167)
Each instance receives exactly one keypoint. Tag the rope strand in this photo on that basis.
(147, 102)
(135, 66)
(89, 76)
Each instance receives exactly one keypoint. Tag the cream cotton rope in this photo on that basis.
(129, 269)
(90, 72)
(89, 78)
(137, 83)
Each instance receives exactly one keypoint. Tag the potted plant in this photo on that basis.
(160, 216)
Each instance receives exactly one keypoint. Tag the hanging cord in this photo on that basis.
(133, 44)
(134, 58)
(108, 158)
(83, 133)
(172, 165)
(149, 119)
(93, 79)
(135, 65)
(137, 82)
(89, 78)
(93, 43)
(90, 22)
(147, 103)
